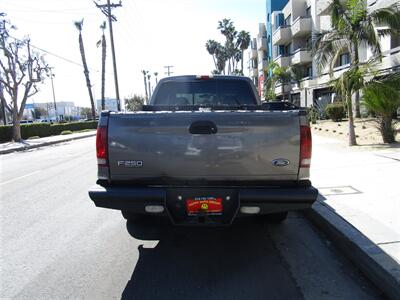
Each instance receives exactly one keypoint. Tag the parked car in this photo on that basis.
(26, 122)
(204, 152)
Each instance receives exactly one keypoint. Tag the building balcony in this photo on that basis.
(301, 56)
(323, 7)
(254, 53)
(283, 60)
(282, 35)
(301, 26)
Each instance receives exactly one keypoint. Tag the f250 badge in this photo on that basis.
(130, 163)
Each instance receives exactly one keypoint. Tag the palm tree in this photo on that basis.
(221, 56)
(346, 85)
(155, 75)
(243, 42)
(79, 26)
(354, 25)
(212, 47)
(145, 83)
(149, 83)
(382, 96)
(229, 31)
(103, 44)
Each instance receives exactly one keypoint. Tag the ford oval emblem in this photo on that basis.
(281, 162)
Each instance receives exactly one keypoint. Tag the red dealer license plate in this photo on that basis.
(208, 205)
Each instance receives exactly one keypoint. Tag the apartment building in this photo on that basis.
(258, 59)
(292, 28)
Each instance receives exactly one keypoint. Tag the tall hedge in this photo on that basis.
(44, 129)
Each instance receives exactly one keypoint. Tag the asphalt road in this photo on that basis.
(55, 244)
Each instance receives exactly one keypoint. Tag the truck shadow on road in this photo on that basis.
(237, 262)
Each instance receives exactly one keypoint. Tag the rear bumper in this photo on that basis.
(269, 200)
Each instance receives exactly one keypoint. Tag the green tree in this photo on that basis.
(243, 43)
(79, 27)
(354, 25)
(156, 76)
(86, 112)
(284, 75)
(39, 112)
(212, 48)
(229, 31)
(382, 96)
(346, 85)
(145, 83)
(134, 103)
(103, 43)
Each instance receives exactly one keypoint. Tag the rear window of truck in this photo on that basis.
(205, 93)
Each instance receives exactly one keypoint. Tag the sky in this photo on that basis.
(149, 34)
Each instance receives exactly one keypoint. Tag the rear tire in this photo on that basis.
(277, 218)
(130, 216)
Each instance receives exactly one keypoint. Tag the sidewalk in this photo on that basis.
(36, 143)
(359, 205)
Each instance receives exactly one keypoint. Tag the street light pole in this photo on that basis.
(54, 94)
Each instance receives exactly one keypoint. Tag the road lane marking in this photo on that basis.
(18, 178)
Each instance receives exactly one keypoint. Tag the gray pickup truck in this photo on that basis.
(203, 152)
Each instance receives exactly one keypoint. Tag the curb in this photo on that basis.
(376, 265)
(23, 148)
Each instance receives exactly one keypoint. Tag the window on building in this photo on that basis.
(394, 41)
(309, 43)
(288, 20)
(287, 49)
(309, 72)
(308, 12)
(279, 20)
(344, 59)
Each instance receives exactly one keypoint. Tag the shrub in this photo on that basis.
(335, 111)
(44, 129)
(312, 115)
(66, 132)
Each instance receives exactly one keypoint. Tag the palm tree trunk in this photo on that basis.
(103, 72)
(386, 129)
(149, 89)
(215, 62)
(357, 95)
(145, 88)
(352, 134)
(242, 60)
(283, 91)
(86, 72)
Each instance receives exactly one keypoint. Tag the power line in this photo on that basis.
(56, 55)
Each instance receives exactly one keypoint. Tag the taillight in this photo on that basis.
(102, 146)
(204, 77)
(305, 146)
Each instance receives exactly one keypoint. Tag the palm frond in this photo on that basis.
(339, 18)
(79, 25)
(367, 35)
(327, 46)
(387, 16)
(356, 10)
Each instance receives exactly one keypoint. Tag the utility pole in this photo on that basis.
(54, 94)
(106, 10)
(168, 73)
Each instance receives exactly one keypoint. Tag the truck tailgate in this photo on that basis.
(245, 146)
